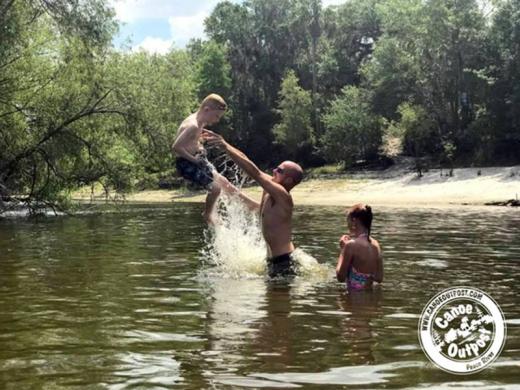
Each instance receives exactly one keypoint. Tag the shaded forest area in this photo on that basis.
(360, 83)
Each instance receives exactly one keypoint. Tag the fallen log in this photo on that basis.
(510, 203)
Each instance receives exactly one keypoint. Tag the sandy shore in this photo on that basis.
(392, 187)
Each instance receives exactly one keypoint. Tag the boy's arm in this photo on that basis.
(274, 189)
(187, 137)
(344, 261)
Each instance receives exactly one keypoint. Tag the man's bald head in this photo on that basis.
(292, 171)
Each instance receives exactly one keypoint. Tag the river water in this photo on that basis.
(133, 298)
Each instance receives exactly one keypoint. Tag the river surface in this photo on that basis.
(129, 299)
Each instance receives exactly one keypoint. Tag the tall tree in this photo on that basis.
(212, 74)
(503, 71)
(50, 59)
(350, 31)
(261, 47)
(352, 131)
(294, 131)
(429, 54)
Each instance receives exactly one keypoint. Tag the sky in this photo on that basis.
(157, 25)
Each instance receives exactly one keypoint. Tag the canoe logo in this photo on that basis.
(462, 330)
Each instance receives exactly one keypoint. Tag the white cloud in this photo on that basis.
(186, 20)
(154, 45)
(326, 3)
(183, 28)
(132, 10)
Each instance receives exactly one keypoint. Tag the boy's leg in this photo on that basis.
(211, 199)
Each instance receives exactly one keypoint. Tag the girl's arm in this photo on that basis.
(344, 261)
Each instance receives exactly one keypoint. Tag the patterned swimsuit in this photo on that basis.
(358, 280)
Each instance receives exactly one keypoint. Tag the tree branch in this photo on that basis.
(84, 112)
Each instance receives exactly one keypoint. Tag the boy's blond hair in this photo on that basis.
(214, 102)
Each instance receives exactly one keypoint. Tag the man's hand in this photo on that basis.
(343, 240)
(213, 139)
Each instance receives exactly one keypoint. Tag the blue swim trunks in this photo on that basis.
(200, 174)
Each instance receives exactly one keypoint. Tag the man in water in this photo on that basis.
(276, 206)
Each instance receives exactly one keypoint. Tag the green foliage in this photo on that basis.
(392, 76)
(349, 33)
(265, 39)
(417, 129)
(74, 112)
(352, 131)
(50, 75)
(212, 74)
(504, 94)
(429, 55)
(294, 131)
(155, 94)
(212, 70)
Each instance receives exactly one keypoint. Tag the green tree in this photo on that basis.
(74, 112)
(350, 31)
(352, 131)
(503, 72)
(262, 44)
(212, 70)
(430, 55)
(155, 93)
(294, 131)
(50, 60)
(212, 74)
(418, 131)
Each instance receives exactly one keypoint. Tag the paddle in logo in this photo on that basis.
(462, 330)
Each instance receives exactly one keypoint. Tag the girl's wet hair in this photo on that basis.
(363, 213)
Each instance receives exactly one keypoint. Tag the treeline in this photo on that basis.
(365, 81)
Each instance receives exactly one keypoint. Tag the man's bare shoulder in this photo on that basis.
(283, 198)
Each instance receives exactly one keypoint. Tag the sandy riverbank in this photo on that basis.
(392, 187)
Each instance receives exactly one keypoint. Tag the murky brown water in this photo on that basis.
(120, 300)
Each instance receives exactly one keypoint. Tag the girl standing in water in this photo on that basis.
(360, 261)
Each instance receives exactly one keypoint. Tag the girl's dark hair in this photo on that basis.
(363, 213)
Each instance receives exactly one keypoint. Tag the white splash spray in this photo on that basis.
(235, 244)
(236, 247)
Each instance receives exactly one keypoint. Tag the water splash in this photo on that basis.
(235, 246)
(309, 268)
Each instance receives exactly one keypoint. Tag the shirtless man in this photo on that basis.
(276, 206)
(191, 161)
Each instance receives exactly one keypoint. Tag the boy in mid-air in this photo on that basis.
(191, 161)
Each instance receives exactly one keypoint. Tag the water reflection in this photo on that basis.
(358, 328)
(121, 300)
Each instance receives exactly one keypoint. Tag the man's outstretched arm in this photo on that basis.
(274, 189)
